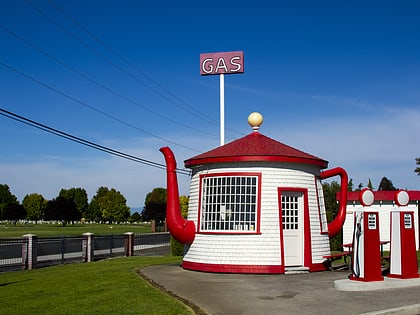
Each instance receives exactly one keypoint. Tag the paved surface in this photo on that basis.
(311, 293)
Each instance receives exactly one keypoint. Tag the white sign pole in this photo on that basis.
(222, 109)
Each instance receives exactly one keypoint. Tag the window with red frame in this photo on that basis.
(229, 203)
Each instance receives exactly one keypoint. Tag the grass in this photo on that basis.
(105, 287)
(51, 230)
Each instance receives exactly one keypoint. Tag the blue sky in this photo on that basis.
(339, 80)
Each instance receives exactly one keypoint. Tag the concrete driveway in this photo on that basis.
(309, 293)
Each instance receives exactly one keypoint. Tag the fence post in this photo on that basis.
(63, 250)
(128, 244)
(88, 247)
(29, 251)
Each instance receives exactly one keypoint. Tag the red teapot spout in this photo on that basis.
(181, 229)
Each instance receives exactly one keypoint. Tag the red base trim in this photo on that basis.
(366, 279)
(318, 267)
(224, 268)
(413, 276)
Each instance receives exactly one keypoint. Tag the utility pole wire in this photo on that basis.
(75, 37)
(77, 72)
(121, 57)
(93, 145)
(91, 107)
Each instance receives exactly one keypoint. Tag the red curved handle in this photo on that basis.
(336, 225)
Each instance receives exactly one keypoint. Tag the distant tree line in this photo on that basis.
(108, 205)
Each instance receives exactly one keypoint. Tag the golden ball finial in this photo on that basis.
(255, 120)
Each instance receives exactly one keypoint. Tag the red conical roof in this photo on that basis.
(255, 147)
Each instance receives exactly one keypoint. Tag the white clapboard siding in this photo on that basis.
(262, 249)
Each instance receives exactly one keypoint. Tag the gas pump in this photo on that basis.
(403, 258)
(366, 257)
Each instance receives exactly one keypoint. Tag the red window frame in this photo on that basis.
(258, 203)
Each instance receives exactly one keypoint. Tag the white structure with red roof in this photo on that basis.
(384, 203)
(256, 206)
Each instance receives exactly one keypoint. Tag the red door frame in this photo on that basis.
(307, 248)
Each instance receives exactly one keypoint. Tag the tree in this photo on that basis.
(109, 205)
(135, 217)
(114, 207)
(184, 201)
(331, 206)
(34, 205)
(369, 185)
(7, 199)
(155, 205)
(62, 209)
(177, 249)
(386, 184)
(417, 170)
(14, 212)
(350, 185)
(94, 211)
(79, 197)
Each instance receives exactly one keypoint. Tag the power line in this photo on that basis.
(77, 72)
(42, 13)
(121, 57)
(87, 143)
(90, 106)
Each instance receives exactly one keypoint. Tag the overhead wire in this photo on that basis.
(100, 55)
(84, 142)
(77, 72)
(196, 112)
(124, 59)
(91, 107)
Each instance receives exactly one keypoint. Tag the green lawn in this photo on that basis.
(50, 230)
(105, 287)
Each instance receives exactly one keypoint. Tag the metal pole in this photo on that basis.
(222, 109)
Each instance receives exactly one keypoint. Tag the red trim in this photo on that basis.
(307, 231)
(258, 210)
(382, 195)
(234, 268)
(307, 250)
(317, 267)
(255, 147)
(229, 233)
(254, 158)
(259, 203)
(335, 226)
(281, 241)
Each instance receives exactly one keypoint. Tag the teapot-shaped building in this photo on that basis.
(256, 206)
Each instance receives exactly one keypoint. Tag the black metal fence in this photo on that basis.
(33, 252)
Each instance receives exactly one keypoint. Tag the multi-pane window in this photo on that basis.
(229, 203)
(290, 211)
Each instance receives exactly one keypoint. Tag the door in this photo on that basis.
(291, 210)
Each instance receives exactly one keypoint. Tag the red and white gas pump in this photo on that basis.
(403, 258)
(366, 258)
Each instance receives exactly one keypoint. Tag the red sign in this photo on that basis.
(224, 62)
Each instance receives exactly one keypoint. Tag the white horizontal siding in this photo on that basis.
(263, 249)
